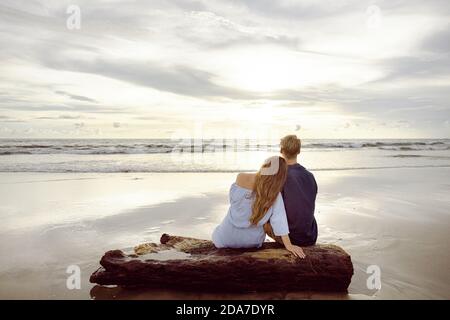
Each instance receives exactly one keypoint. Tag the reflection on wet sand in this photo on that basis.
(121, 293)
(396, 219)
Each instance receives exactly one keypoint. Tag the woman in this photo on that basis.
(255, 199)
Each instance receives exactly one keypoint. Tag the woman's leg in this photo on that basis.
(269, 231)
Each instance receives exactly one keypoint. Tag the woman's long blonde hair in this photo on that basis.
(269, 181)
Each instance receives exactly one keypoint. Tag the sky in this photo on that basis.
(209, 68)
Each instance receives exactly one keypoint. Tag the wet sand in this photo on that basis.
(397, 219)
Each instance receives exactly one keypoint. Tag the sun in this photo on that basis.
(268, 69)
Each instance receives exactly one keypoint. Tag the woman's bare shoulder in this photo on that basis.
(245, 180)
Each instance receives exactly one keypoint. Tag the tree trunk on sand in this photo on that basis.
(193, 264)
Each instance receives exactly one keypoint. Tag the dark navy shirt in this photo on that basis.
(299, 195)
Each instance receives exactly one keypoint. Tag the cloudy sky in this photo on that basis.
(150, 69)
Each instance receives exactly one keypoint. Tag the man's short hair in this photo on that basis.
(290, 146)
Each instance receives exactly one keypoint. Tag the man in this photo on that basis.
(299, 196)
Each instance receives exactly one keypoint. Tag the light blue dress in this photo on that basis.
(236, 231)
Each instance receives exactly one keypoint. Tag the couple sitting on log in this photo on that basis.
(278, 200)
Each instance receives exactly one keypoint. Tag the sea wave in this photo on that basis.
(155, 146)
(57, 169)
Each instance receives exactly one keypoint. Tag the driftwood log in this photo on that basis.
(193, 264)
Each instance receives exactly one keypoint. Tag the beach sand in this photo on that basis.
(397, 219)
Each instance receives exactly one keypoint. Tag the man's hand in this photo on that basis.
(297, 251)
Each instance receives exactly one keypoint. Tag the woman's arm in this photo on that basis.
(296, 250)
(280, 227)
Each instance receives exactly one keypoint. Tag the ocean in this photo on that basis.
(218, 155)
(66, 202)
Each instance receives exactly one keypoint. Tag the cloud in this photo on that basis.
(6, 119)
(176, 79)
(69, 117)
(229, 33)
(411, 67)
(297, 9)
(76, 97)
(321, 10)
(438, 42)
(168, 61)
(65, 107)
(60, 117)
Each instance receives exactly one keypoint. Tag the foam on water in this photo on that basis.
(164, 155)
(151, 146)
